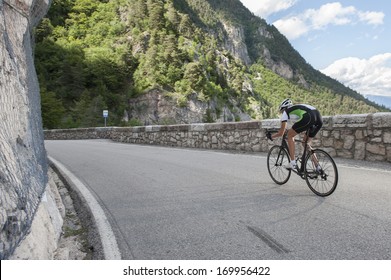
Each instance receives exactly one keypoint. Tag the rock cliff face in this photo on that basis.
(23, 166)
(235, 43)
(156, 107)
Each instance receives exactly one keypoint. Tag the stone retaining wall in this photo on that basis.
(23, 164)
(362, 137)
(41, 241)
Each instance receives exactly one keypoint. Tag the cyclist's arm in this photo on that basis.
(281, 131)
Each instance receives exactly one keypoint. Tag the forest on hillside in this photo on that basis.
(95, 55)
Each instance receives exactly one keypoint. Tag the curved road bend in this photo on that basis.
(168, 203)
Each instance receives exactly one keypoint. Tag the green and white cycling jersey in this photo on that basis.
(296, 112)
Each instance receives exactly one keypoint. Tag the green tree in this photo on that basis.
(156, 14)
(52, 109)
(194, 74)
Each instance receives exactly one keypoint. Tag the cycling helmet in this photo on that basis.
(285, 104)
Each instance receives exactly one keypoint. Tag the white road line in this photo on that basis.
(109, 243)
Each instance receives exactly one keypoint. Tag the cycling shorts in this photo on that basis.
(311, 120)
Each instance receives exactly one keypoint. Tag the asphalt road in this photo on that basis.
(169, 203)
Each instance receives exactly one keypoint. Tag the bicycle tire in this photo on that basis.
(325, 182)
(276, 159)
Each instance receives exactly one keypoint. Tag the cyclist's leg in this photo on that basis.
(291, 143)
(313, 155)
(318, 123)
(307, 140)
(302, 125)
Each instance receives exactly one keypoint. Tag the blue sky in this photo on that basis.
(347, 40)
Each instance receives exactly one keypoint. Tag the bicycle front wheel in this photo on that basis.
(277, 158)
(323, 181)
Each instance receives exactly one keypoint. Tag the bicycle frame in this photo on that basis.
(284, 143)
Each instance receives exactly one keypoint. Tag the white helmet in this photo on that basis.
(285, 104)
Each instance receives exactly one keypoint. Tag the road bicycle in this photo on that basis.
(315, 166)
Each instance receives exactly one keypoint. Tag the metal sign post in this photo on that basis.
(105, 115)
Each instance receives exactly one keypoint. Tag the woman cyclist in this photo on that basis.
(305, 117)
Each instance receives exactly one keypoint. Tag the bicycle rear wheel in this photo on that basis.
(277, 158)
(322, 182)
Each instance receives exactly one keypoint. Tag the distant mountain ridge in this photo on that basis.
(173, 61)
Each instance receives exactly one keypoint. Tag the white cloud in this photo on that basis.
(367, 76)
(373, 18)
(273, 6)
(264, 8)
(294, 26)
(328, 14)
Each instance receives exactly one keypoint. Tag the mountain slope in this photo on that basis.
(173, 61)
(266, 43)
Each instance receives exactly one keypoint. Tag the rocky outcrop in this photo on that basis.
(235, 42)
(279, 67)
(41, 242)
(23, 163)
(158, 107)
